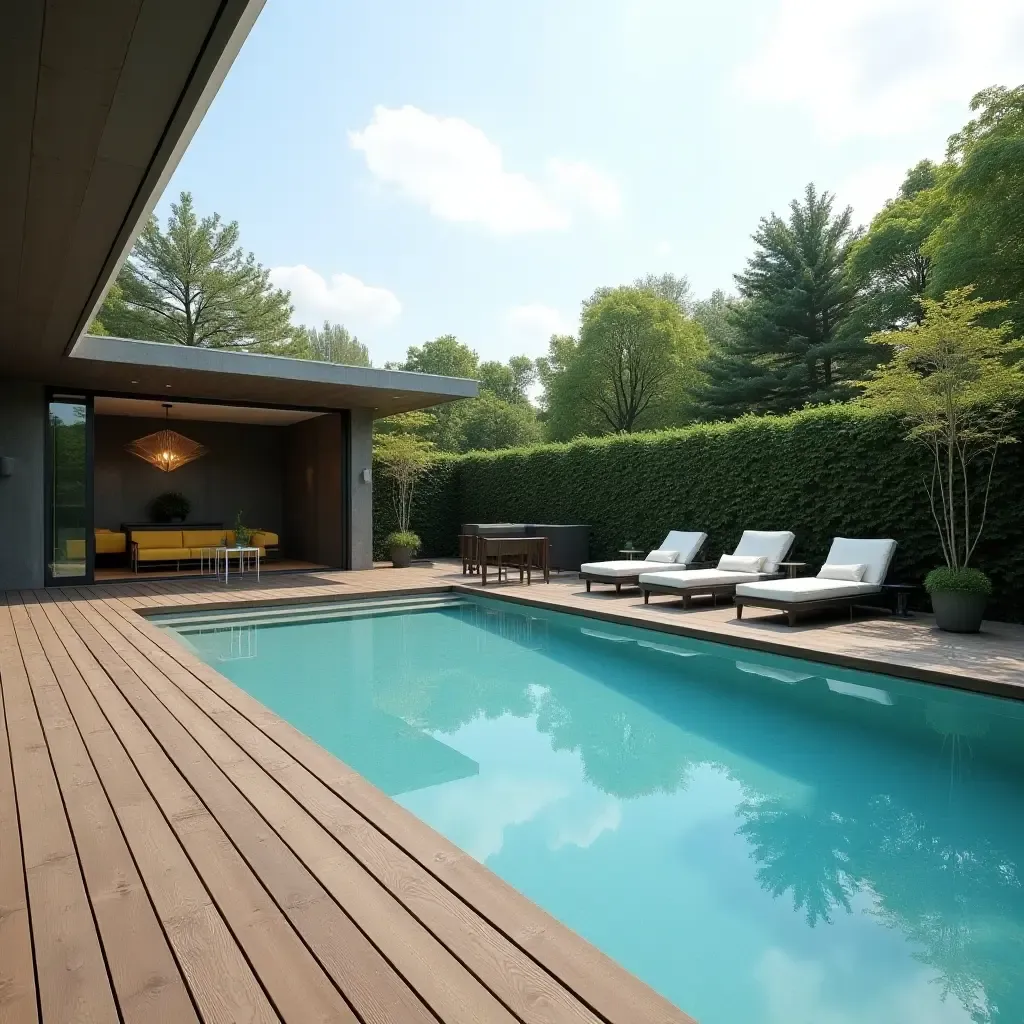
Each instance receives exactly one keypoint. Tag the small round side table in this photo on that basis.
(792, 568)
(630, 553)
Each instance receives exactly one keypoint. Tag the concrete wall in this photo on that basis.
(243, 470)
(314, 500)
(22, 512)
(360, 490)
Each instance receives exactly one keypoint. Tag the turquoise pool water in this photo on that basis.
(761, 839)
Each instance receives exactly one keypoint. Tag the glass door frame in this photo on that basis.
(84, 398)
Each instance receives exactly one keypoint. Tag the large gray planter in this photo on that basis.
(401, 558)
(957, 611)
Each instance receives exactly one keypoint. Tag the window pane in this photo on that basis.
(67, 442)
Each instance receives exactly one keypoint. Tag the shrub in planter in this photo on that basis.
(170, 507)
(958, 598)
(402, 544)
(955, 382)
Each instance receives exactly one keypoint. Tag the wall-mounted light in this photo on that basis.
(365, 476)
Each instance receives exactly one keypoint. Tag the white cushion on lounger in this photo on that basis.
(686, 545)
(774, 545)
(807, 588)
(850, 573)
(875, 554)
(741, 563)
(661, 556)
(696, 578)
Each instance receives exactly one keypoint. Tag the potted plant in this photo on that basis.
(404, 457)
(956, 384)
(402, 545)
(170, 507)
(243, 534)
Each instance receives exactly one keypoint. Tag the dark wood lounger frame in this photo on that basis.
(712, 590)
(792, 607)
(634, 581)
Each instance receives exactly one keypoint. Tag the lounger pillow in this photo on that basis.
(741, 563)
(662, 556)
(848, 573)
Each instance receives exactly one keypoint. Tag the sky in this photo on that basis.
(478, 168)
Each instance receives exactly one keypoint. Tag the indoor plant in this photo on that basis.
(956, 384)
(170, 507)
(404, 457)
(243, 534)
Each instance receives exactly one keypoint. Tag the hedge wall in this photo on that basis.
(821, 472)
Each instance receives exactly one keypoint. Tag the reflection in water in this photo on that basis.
(637, 786)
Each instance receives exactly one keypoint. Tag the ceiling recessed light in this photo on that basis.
(167, 385)
(135, 382)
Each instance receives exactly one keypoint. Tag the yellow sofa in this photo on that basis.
(108, 542)
(188, 545)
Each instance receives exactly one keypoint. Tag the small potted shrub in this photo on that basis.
(243, 534)
(402, 545)
(958, 597)
(171, 507)
(956, 384)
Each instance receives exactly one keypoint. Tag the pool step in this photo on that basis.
(282, 615)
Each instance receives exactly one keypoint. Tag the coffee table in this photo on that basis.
(245, 555)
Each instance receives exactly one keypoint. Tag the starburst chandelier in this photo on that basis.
(166, 449)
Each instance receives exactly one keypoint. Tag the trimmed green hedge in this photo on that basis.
(823, 472)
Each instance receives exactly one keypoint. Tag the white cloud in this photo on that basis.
(341, 299)
(458, 173)
(587, 186)
(530, 326)
(879, 67)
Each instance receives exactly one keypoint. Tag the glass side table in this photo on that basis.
(246, 557)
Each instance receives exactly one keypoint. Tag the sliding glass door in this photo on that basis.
(70, 542)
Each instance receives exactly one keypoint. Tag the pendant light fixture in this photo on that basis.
(167, 449)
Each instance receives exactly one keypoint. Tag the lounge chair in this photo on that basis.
(853, 570)
(677, 551)
(756, 557)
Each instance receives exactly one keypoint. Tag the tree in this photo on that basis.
(951, 381)
(404, 456)
(981, 242)
(637, 356)
(715, 315)
(889, 266)
(666, 286)
(789, 349)
(193, 285)
(502, 417)
(445, 355)
(330, 344)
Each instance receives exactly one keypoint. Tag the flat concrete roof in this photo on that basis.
(153, 369)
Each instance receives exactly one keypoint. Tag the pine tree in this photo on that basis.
(788, 349)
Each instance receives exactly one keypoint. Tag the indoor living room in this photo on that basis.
(175, 481)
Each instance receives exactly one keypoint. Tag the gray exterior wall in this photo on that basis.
(22, 512)
(314, 505)
(360, 490)
(242, 471)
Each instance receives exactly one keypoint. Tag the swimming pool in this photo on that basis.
(761, 839)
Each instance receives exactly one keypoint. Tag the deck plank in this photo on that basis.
(147, 981)
(71, 973)
(293, 979)
(221, 980)
(17, 968)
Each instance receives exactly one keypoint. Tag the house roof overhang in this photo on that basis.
(98, 101)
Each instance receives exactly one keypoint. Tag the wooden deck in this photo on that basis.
(170, 851)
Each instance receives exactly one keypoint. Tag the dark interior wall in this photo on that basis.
(243, 470)
(314, 503)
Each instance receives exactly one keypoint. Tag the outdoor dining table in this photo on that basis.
(527, 553)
